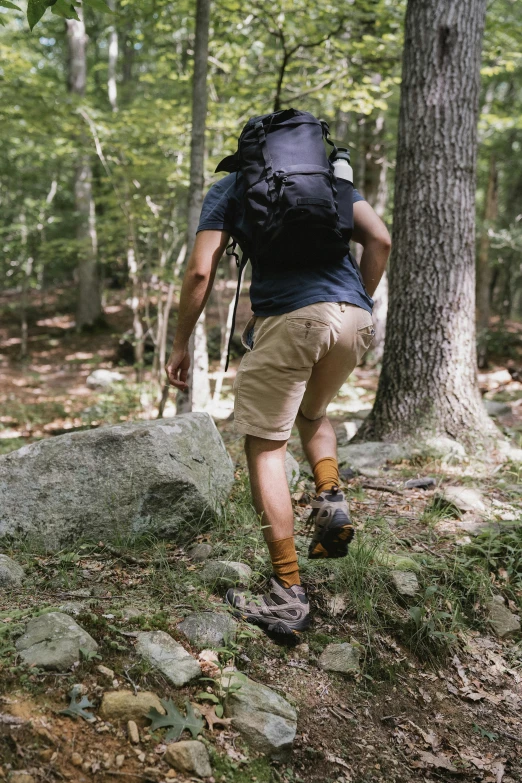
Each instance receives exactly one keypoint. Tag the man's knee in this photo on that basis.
(310, 419)
(255, 445)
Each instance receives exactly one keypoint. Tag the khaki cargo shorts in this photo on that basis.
(297, 361)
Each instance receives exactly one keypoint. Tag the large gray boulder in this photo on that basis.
(370, 455)
(160, 476)
(265, 719)
(209, 629)
(11, 574)
(53, 641)
(171, 658)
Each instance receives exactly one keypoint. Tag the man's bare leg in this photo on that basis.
(271, 496)
(317, 437)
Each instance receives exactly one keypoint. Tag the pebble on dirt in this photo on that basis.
(190, 757)
(343, 658)
(132, 731)
(160, 649)
(53, 641)
(125, 705)
(420, 483)
(225, 573)
(21, 777)
(503, 622)
(11, 574)
(208, 629)
(265, 719)
(405, 582)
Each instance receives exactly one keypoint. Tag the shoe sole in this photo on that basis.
(334, 541)
(275, 625)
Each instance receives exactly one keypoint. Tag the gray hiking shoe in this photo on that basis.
(333, 528)
(283, 610)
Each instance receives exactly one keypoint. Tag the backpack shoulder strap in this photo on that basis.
(231, 251)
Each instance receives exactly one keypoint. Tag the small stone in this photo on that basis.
(120, 760)
(11, 574)
(209, 629)
(420, 483)
(132, 731)
(405, 582)
(21, 777)
(291, 470)
(347, 474)
(130, 612)
(125, 705)
(342, 658)
(336, 605)
(76, 759)
(225, 573)
(105, 671)
(160, 649)
(264, 718)
(301, 651)
(46, 754)
(503, 622)
(103, 379)
(200, 552)
(345, 431)
(460, 500)
(495, 409)
(171, 774)
(73, 607)
(53, 641)
(190, 757)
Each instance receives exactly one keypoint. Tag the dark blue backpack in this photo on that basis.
(297, 210)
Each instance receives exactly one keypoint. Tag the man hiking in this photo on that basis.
(311, 326)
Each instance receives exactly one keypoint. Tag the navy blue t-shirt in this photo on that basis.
(281, 291)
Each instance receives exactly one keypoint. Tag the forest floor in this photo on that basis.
(438, 696)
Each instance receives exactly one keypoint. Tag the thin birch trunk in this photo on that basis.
(483, 267)
(112, 89)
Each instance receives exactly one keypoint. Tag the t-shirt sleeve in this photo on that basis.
(217, 212)
(357, 196)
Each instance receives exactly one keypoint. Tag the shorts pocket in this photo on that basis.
(365, 335)
(247, 337)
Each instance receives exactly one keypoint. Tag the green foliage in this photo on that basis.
(78, 709)
(175, 721)
(499, 552)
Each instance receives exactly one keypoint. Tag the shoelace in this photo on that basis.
(309, 523)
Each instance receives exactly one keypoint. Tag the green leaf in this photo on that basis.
(99, 5)
(8, 4)
(416, 613)
(77, 709)
(36, 9)
(65, 10)
(175, 721)
(207, 696)
(218, 709)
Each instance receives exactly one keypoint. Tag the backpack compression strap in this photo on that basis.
(326, 137)
(231, 251)
(272, 193)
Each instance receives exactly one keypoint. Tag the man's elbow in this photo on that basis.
(383, 239)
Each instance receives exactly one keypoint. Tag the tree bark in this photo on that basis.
(199, 387)
(483, 267)
(89, 305)
(428, 382)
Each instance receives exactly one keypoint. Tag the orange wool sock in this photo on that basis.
(326, 474)
(284, 561)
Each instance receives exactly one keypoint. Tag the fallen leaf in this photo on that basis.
(440, 761)
(498, 769)
(208, 711)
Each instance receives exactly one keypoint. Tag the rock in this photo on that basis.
(292, 470)
(21, 777)
(76, 759)
(420, 483)
(509, 452)
(503, 622)
(53, 641)
(11, 574)
(264, 718)
(165, 477)
(345, 431)
(347, 474)
(105, 671)
(337, 605)
(447, 449)
(125, 705)
(209, 629)
(225, 573)
(130, 612)
(120, 760)
(189, 757)
(370, 455)
(342, 658)
(132, 732)
(73, 607)
(460, 500)
(396, 561)
(200, 552)
(103, 379)
(405, 582)
(494, 408)
(160, 649)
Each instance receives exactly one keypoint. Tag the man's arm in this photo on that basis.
(197, 285)
(370, 232)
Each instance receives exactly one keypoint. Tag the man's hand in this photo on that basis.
(177, 368)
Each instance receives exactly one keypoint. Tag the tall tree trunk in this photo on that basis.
(112, 89)
(483, 267)
(428, 381)
(89, 306)
(198, 394)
